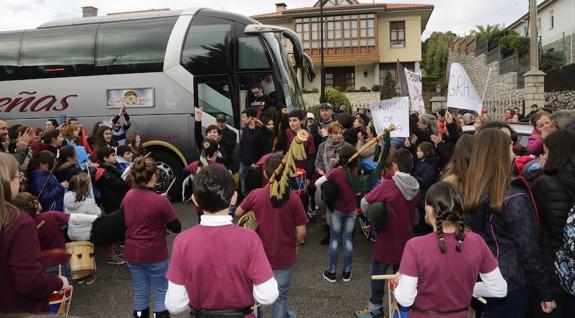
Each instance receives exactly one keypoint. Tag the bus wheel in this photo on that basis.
(169, 166)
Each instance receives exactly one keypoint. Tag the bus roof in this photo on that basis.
(117, 17)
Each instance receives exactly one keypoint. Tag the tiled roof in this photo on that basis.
(386, 6)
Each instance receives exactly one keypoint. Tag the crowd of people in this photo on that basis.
(456, 216)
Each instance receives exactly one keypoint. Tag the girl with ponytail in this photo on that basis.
(147, 215)
(438, 271)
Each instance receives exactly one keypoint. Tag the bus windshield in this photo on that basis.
(289, 84)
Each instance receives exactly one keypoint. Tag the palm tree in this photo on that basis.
(484, 33)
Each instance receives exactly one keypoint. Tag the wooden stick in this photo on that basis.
(482, 300)
(171, 184)
(383, 277)
(146, 156)
(40, 225)
(370, 143)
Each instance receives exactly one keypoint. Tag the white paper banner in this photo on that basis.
(391, 111)
(461, 93)
(415, 88)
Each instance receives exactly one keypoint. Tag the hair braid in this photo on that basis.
(439, 226)
(460, 235)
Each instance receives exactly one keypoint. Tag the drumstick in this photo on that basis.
(386, 277)
(40, 225)
(383, 277)
(171, 184)
(146, 156)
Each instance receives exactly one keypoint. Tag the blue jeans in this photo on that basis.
(146, 277)
(342, 225)
(378, 286)
(283, 277)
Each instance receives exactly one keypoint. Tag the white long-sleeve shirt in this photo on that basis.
(177, 299)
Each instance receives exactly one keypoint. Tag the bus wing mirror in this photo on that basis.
(310, 71)
(288, 33)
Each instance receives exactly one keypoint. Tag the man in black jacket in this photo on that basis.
(228, 140)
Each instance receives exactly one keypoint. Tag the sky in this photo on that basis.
(458, 16)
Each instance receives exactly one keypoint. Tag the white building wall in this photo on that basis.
(361, 80)
(564, 21)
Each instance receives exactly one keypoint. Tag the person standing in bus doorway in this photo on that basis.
(228, 140)
(120, 129)
(255, 143)
(258, 98)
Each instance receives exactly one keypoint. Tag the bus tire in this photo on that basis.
(169, 167)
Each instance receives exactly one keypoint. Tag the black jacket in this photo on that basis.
(112, 187)
(445, 148)
(513, 237)
(555, 195)
(426, 173)
(66, 171)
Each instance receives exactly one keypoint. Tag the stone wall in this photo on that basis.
(501, 87)
(560, 100)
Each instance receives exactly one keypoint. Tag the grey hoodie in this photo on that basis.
(407, 184)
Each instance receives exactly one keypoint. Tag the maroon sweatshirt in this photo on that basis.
(24, 286)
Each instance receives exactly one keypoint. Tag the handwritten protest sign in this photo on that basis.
(461, 93)
(391, 111)
(414, 88)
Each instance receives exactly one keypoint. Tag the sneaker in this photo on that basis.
(346, 276)
(120, 250)
(366, 313)
(80, 281)
(115, 260)
(90, 279)
(330, 277)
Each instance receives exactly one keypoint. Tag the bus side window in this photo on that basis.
(214, 95)
(133, 46)
(204, 51)
(58, 52)
(9, 55)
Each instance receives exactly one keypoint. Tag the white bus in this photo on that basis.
(167, 62)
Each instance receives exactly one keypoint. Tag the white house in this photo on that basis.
(555, 24)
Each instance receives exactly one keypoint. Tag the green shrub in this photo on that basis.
(551, 61)
(511, 42)
(336, 98)
(375, 88)
(337, 88)
(315, 90)
(363, 89)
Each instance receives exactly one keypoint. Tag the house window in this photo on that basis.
(339, 31)
(552, 22)
(329, 79)
(397, 33)
(350, 79)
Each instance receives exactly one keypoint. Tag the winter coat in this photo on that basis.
(535, 143)
(52, 196)
(85, 212)
(324, 154)
(513, 237)
(555, 195)
(66, 171)
(446, 147)
(112, 187)
(426, 172)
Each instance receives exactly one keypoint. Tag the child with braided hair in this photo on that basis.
(438, 271)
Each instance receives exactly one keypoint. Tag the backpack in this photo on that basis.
(565, 256)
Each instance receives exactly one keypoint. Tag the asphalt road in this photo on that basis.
(111, 295)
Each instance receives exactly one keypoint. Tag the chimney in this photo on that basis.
(89, 11)
(280, 7)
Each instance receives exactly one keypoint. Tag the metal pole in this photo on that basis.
(533, 43)
(322, 68)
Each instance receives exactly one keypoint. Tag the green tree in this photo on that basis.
(336, 98)
(436, 52)
(551, 61)
(485, 33)
(388, 89)
(511, 41)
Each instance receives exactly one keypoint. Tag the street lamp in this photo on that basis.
(322, 69)
(438, 89)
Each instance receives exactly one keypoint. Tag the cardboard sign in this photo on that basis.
(391, 111)
(461, 93)
(414, 87)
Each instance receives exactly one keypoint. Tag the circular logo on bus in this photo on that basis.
(130, 97)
